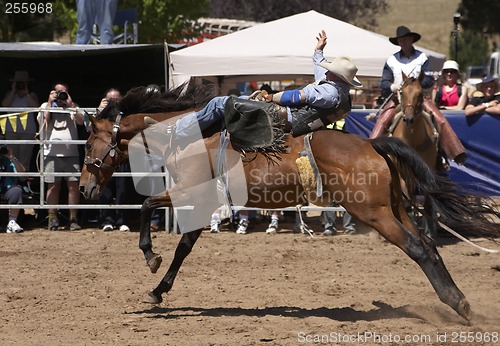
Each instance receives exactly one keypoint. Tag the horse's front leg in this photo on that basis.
(145, 243)
(181, 252)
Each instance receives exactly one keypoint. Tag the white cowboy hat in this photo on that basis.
(344, 68)
(21, 76)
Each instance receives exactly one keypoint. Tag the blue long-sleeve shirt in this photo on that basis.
(323, 95)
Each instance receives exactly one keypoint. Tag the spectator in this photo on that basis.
(61, 157)
(119, 190)
(242, 225)
(329, 218)
(100, 12)
(450, 93)
(215, 221)
(20, 96)
(10, 191)
(274, 225)
(485, 99)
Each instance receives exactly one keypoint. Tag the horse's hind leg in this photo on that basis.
(181, 252)
(384, 211)
(395, 225)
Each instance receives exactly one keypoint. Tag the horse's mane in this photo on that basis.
(151, 99)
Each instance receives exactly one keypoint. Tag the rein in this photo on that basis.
(112, 148)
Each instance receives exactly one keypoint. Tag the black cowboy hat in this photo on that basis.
(404, 31)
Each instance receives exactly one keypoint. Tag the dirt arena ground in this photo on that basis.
(86, 287)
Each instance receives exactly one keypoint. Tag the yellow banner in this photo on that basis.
(13, 123)
(24, 119)
(3, 124)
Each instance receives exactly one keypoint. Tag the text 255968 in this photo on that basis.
(27, 7)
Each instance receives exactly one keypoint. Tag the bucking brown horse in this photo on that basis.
(362, 175)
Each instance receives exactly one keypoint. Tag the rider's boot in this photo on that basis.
(382, 125)
(452, 146)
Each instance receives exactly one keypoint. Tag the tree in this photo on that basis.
(361, 13)
(480, 16)
(473, 48)
(159, 20)
(167, 20)
(480, 24)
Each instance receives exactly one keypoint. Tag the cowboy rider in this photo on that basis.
(412, 62)
(308, 109)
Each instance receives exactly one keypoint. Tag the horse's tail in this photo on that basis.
(463, 213)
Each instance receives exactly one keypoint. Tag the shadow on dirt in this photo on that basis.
(344, 314)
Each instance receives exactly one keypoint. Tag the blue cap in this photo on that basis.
(487, 79)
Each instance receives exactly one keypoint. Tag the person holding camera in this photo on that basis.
(119, 190)
(25, 129)
(61, 158)
(10, 191)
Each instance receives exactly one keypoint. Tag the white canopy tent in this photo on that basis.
(282, 49)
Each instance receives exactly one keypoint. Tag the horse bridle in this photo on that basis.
(408, 105)
(112, 148)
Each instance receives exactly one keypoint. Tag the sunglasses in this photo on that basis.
(449, 71)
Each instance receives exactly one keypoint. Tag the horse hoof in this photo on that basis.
(154, 263)
(463, 309)
(151, 298)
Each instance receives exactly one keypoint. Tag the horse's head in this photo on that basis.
(104, 151)
(412, 98)
(102, 156)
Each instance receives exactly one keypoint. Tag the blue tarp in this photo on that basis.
(480, 136)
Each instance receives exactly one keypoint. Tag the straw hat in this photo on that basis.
(21, 76)
(344, 68)
(404, 31)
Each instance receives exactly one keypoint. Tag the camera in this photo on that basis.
(62, 95)
(20, 86)
(456, 18)
(4, 150)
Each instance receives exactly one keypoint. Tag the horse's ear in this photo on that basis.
(404, 76)
(421, 76)
(90, 117)
(148, 121)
